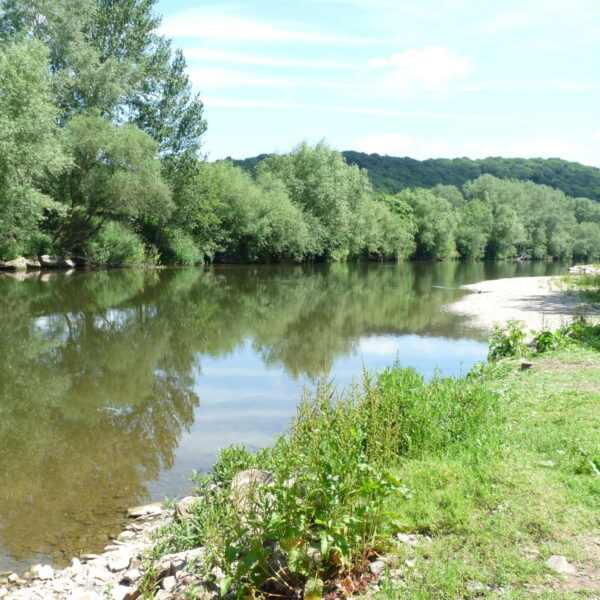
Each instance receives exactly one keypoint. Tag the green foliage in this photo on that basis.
(29, 147)
(115, 244)
(327, 510)
(507, 340)
(115, 174)
(435, 222)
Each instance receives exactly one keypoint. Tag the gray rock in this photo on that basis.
(475, 586)
(409, 539)
(135, 512)
(50, 261)
(245, 486)
(45, 572)
(85, 595)
(66, 264)
(561, 565)
(168, 583)
(17, 264)
(119, 561)
(33, 262)
(120, 592)
(3, 592)
(184, 508)
(131, 576)
(13, 578)
(377, 567)
(126, 536)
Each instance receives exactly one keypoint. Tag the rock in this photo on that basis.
(475, 586)
(244, 488)
(41, 572)
(163, 595)
(408, 538)
(184, 508)
(561, 565)
(88, 557)
(168, 583)
(3, 592)
(377, 567)
(119, 561)
(85, 595)
(66, 264)
(547, 463)
(525, 365)
(410, 563)
(119, 592)
(50, 261)
(132, 576)
(17, 264)
(126, 536)
(33, 262)
(146, 510)
(13, 578)
(76, 565)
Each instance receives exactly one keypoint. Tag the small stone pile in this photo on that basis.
(45, 261)
(117, 573)
(584, 270)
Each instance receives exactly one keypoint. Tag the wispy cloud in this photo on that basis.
(195, 23)
(266, 61)
(432, 67)
(226, 102)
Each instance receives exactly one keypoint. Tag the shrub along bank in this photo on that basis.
(452, 488)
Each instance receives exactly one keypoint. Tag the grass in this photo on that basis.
(587, 285)
(494, 472)
(541, 493)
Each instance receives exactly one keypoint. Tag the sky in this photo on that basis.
(426, 78)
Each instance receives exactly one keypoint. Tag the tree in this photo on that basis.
(435, 221)
(116, 174)
(29, 145)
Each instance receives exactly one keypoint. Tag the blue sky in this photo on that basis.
(433, 78)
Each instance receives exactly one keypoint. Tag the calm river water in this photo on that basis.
(115, 385)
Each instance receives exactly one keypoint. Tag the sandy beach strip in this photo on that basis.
(537, 301)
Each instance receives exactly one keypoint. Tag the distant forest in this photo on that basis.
(391, 174)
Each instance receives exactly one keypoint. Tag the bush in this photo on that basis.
(116, 244)
(179, 248)
(326, 513)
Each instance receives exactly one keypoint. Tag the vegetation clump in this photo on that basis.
(394, 454)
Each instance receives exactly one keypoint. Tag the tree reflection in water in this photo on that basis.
(99, 371)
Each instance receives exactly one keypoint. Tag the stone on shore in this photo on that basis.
(146, 510)
(561, 565)
(17, 264)
(184, 508)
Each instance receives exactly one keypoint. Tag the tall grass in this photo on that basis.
(329, 507)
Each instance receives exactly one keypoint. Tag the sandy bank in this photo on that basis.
(537, 301)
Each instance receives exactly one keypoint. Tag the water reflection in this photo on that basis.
(102, 375)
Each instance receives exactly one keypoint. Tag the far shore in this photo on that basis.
(539, 302)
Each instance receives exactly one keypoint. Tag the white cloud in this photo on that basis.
(194, 23)
(385, 143)
(432, 67)
(433, 147)
(228, 102)
(542, 147)
(597, 135)
(266, 61)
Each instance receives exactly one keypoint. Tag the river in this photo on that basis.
(115, 385)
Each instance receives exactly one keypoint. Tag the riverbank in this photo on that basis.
(539, 302)
(480, 487)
